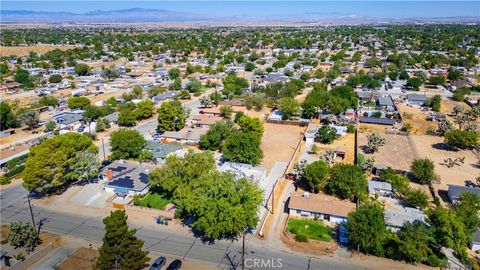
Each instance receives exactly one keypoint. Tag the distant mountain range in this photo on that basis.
(139, 15)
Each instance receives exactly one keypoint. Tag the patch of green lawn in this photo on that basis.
(312, 229)
(153, 200)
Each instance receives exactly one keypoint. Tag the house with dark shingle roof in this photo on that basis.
(160, 151)
(127, 178)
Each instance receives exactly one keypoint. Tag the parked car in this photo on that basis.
(158, 263)
(176, 264)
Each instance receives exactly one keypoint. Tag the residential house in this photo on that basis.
(396, 217)
(276, 115)
(416, 99)
(242, 170)
(386, 103)
(236, 103)
(10, 86)
(381, 188)
(205, 120)
(454, 192)
(187, 135)
(127, 178)
(164, 96)
(211, 111)
(69, 120)
(160, 151)
(320, 206)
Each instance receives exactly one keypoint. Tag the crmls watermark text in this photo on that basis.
(256, 263)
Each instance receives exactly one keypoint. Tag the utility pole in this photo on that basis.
(273, 197)
(31, 214)
(243, 251)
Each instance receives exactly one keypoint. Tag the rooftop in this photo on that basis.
(321, 203)
(397, 217)
(129, 174)
(161, 150)
(243, 170)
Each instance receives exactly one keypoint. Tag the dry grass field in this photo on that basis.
(25, 50)
(278, 143)
(416, 118)
(344, 143)
(398, 152)
(432, 148)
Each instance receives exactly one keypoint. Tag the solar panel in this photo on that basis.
(118, 168)
(144, 178)
(125, 182)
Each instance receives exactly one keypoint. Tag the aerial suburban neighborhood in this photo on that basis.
(145, 138)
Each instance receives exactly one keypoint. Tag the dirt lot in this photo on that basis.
(419, 124)
(344, 143)
(397, 152)
(24, 50)
(278, 143)
(430, 146)
(82, 259)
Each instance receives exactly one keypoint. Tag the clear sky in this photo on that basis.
(377, 9)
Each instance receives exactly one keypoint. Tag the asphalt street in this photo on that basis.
(227, 254)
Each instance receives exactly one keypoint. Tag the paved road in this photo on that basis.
(14, 208)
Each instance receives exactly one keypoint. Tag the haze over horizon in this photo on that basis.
(279, 10)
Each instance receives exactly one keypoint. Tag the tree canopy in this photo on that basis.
(347, 181)
(51, 164)
(126, 144)
(243, 147)
(171, 116)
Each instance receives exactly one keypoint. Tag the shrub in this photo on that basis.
(300, 237)
(351, 128)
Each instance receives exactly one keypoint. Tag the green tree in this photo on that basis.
(174, 73)
(226, 112)
(29, 118)
(82, 69)
(23, 77)
(289, 106)
(50, 126)
(423, 170)
(414, 82)
(144, 109)
(454, 74)
(7, 117)
(249, 66)
(243, 147)
(374, 142)
(315, 175)
(78, 102)
(177, 176)
(126, 144)
(413, 242)
(326, 134)
(121, 249)
(367, 229)
(220, 193)
(102, 125)
(127, 118)
(467, 211)
(347, 181)
(233, 85)
(437, 80)
(194, 86)
(48, 101)
(461, 139)
(216, 135)
(171, 116)
(23, 235)
(55, 78)
(51, 163)
(448, 230)
(251, 125)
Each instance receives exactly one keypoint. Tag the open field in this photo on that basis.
(398, 152)
(278, 143)
(315, 230)
(418, 120)
(25, 50)
(432, 147)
